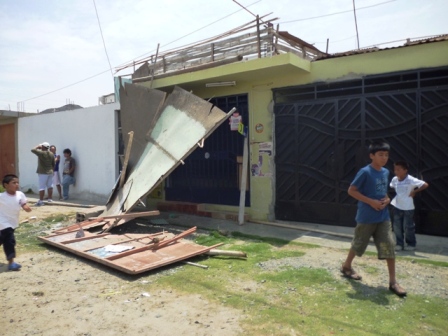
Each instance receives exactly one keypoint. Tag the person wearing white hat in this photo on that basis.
(45, 164)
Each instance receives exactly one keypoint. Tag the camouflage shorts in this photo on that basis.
(383, 238)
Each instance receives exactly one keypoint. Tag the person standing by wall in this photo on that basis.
(45, 163)
(68, 174)
(10, 203)
(56, 176)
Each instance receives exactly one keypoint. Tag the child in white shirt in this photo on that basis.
(11, 201)
(406, 186)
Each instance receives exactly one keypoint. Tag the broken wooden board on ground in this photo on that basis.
(129, 253)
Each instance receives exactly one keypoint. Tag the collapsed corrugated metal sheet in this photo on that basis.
(165, 133)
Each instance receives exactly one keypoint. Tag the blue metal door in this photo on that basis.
(212, 174)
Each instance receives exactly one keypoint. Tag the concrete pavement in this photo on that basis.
(428, 247)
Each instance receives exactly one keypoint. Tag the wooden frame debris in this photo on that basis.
(231, 46)
(140, 252)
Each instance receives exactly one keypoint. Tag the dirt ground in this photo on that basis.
(59, 293)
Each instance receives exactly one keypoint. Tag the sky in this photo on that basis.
(52, 51)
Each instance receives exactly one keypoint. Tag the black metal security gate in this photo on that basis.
(212, 174)
(322, 132)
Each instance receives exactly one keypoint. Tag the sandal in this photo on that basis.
(397, 289)
(350, 273)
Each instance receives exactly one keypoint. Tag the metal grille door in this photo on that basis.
(211, 173)
(322, 133)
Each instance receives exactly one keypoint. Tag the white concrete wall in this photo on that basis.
(91, 135)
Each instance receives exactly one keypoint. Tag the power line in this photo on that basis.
(337, 13)
(104, 43)
(194, 31)
(110, 69)
(244, 7)
(67, 86)
(341, 40)
(98, 74)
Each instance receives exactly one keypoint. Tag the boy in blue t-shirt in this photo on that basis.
(370, 189)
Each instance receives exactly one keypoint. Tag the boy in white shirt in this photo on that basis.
(11, 201)
(406, 186)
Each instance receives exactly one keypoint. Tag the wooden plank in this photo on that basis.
(194, 51)
(189, 55)
(126, 241)
(175, 238)
(121, 219)
(197, 252)
(276, 39)
(126, 159)
(152, 68)
(220, 37)
(204, 66)
(243, 182)
(153, 246)
(65, 242)
(258, 37)
(128, 253)
(224, 57)
(218, 48)
(85, 225)
(129, 215)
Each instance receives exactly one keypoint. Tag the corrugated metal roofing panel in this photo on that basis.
(408, 43)
(173, 133)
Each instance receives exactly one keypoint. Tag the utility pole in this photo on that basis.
(356, 23)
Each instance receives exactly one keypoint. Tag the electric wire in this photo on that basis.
(102, 37)
(100, 73)
(88, 78)
(336, 13)
(285, 22)
(191, 33)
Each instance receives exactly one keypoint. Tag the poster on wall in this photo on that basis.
(261, 168)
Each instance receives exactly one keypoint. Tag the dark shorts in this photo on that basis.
(383, 238)
(8, 240)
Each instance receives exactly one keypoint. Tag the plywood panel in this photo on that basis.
(145, 254)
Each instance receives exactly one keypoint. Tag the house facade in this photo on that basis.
(309, 118)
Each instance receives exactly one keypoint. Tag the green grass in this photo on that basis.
(287, 300)
(415, 260)
(425, 261)
(302, 301)
(26, 234)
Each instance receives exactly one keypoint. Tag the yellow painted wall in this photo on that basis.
(421, 56)
(259, 90)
